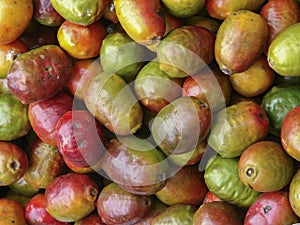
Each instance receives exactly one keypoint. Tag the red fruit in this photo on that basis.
(91, 219)
(71, 197)
(210, 197)
(43, 115)
(80, 138)
(36, 214)
(271, 208)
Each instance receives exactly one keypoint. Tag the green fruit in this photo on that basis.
(284, 52)
(121, 55)
(113, 104)
(236, 127)
(186, 50)
(294, 192)
(277, 102)
(265, 167)
(183, 8)
(14, 122)
(82, 12)
(178, 214)
(21, 187)
(222, 179)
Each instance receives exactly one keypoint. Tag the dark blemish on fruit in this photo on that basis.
(267, 209)
(250, 172)
(14, 165)
(260, 115)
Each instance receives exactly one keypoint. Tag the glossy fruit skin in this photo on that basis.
(283, 52)
(11, 212)
(222, 179)
(183, 8)
(140, 20)
(136, 165)
(217, 213)
(71, 196)
(43, 115)
(12, 24)
(8, 53)
(81, 42)
(188, 119)
(80, 12)
(248, 29)
(186, 186)
(119, 113)
(271, 208)
(36, 214)
(79, 138)
(84, 71)
(154, 88)
(210, 197)
(13, 117)
(254, 81)
(13, 164)
(92, 219)
(236, 127)
(45, 14)
(279, 15)
(180, 50)
(203, 21)
(45, 163)
(175, 214)
(205, 85)
(121, 55)
(265, 166)
(290, 132)
(117, 206)
(21, 187)
(294, 190)
(47, 66)
(277, 102)
(221, 9)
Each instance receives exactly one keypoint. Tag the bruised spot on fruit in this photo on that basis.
(267, 209)
(14, 165)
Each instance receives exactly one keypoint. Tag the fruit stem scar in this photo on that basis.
(267, 209)
(250, 172)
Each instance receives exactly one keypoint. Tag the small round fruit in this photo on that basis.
(71, 196)
(13, 163)
(36, 214)
(12, 25)
(11, 212)
(265, 166)
(271, 208)
(81, 42)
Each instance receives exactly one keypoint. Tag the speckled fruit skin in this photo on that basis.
(71, 196)
(271, 208)
(11, 212)
(39, 74)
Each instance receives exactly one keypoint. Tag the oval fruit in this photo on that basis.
(11, 212)
(264, 166)
(71, 196)
(271, 208)
(236, 127)
(294, 190)
(13, 163)
(47, 66)
(284, 53)
(240, 40)
(183, 8)
(222, 179)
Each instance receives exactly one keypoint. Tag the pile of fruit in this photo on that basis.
(149, 112)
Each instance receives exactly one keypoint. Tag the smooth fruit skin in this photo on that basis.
(140, 20)
(11, 212)
(221, 9)
(80, 12)
(36, 214)
(12, 25)
(240, 40)
(117, 206)
(47, 66)
(183, 8)
(210, 197)
(43, 115)
(236, 127)
(45, 163)
(81, 42)
(271, 208)
(294, 190)
(290, 133)
(13, 163)
(71, 196)
(91, 219)
(265, 166)
(216, 213)
(222, 179)
(79, 138)
(283, 53)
